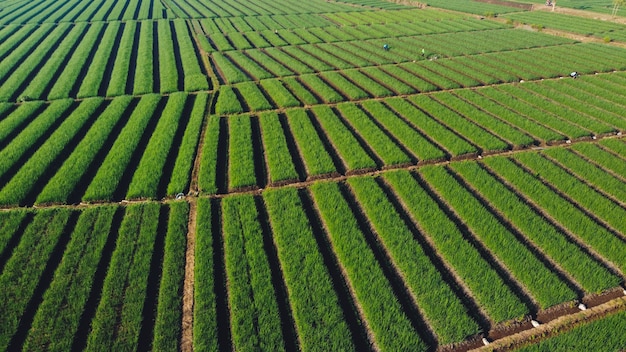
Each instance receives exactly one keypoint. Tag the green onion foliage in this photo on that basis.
(317, 315)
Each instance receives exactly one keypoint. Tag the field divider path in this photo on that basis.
(558, 325)
(186, 339)
(334, 176)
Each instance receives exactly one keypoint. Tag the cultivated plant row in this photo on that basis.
(50, 11)
(362, 262)
(405, 241)
(107, 277)
(277, 61)
(223, 37)
(393, 132)
(95, 150)
(49, 62)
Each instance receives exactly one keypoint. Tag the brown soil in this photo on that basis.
(556, 326)
(509, 329)
(336, 177)
(580, 13)
(186, 341)
(516, 5)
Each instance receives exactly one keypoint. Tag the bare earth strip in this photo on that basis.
(556, 326)
(186, 342)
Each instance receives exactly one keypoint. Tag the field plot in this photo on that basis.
(82, 264)
(568, 23)
(393, 132)
(352, 175)
(129, 58)
(76, 153)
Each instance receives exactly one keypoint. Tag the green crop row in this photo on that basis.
(23, 270)
(564, 108)
(57, 47)
(581, 108)
(279, 164)
(79, 50)
(349, 89)
(492, 293)
(585, 170)
(144, 70)
(601, 335)
(167, 326)
(390, 77)
(67, 80)
(384, 316)
(300, 91)
(344, 142)
(27, 138)
(207, 174)
(374, 137)
(316, 159)
(119, 316)
(257, 40)
(241, 168)
(119, 74)
(475, 73)
(73, 169)
(275, 67)
(417, 144)
(58, 317)
(318, 317)
(585, 197)
(569, 23)
(484, 120)
(279, 93)
(506, 245)
(422, 277)
(255, 322)
(195, 79)
(251, 67)
(22, 183)
(604, 105)
(90, 86)
(602, 155)
(205, 329)
(323, 90)
(227, 101)
(512, 101)
(452, 143)
(590, 274)
(9, 225)
(12, 120)
(149, 172)
(493, 107)
(288, 61)
(252, 95)
(19, 46)
(310, 60)
(106, 181)
(181, 173)
(168, 71)
(230, 73)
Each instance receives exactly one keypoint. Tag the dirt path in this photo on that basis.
(556, 326)
(186, 342)
(312, 180)
(580, 13)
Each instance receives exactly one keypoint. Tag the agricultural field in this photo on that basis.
(352, 175)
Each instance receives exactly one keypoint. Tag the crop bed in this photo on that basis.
(281, 176)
